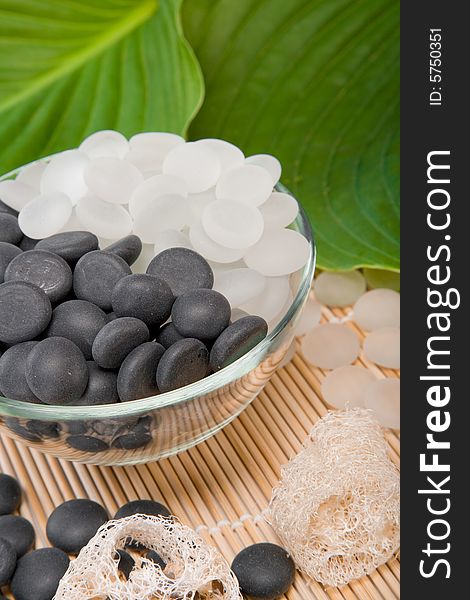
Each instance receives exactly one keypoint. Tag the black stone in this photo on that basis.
(13, 373)
(7, 561)
(18, 531)
(38, 574)
(87, 443)
(79, 321)
(142, 507)
(144, 297)
(156, 558)
(168, 335)
(44, 429)
(10, 494)
(7, 253)
(27, 243)
(137, 375)
(15, 426)
(126, 562)
(4, 208)
(137, 436)
(264, 571)
(128, 248)
(56, 371)
(101, 388)
(201, 314)
(46, 270)
(117, 338)
(236, 340)
(70, 245)
(25, 312)
(183, 270)
(73, 523)
(96, 275)
(183, 363)
(9, 229)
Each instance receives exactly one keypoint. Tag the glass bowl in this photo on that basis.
(159, 426)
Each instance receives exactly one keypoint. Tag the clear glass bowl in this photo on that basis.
(159, 426)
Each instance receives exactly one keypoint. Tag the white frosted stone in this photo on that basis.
(16, 194)
(45, 215)
(377, 308)
(198, 203)
(232, 224)
(309, 318)
(339, 289)
(149, 150)
(112, 179)
(154, 187)
(272, 323)
(65, 174)
(271, 301)
(289, 355)
(279, 252)
(236, 314)
(383, 397)
(346, 386)
(330, 346)
(248, 183)
(209, 249)
(221, 268)
(110, 221)
(269, 163)
(171, 238)
(73, 224)
(107, 142)
(32, 174)
(382, 346)
(228, 154)
(164, 212)
(239, 285)
(141, 264)
(279, 210)
(195, 164)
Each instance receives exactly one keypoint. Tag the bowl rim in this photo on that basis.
(49, 412)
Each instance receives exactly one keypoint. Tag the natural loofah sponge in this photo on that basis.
(194, 571)
(337, 506)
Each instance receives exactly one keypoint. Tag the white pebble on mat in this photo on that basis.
(377, 308)
(330, 346)
(383, 397)
(346, 386)
(339, 289)
(382, 346)
(310, 317)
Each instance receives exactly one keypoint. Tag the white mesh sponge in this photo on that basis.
(194, 571)
(337, 506)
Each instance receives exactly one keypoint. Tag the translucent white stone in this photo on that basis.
(198, 203)
(272, 323)
(330, 346)
(383, 397)
(232, 224)
(236, 314)
(171, 238)
(195, 164)
(221, 268)
(209, 249)
(309, 318)
(268, 162)
(45, 215)
(279, 252)
(110, 221)
(158, 185)
(289, 355)
(112, 179)
(271, 301)
(73, 224)
(249, 184)
(346, 386)
(339, 289)
(65, 174)
(379, 278)
(16, 194)
(239, 285)
(32, 174)
(141, 264)
(382, 346)
(377, 308)
(105, 143)
(279, 210)
(228, 154)
(164, 212)
(149, 150)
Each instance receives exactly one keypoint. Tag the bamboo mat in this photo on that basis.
(222, 486)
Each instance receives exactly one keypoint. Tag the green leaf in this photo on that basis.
(314, 82)
(71, 67)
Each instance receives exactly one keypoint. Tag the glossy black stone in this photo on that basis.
(264, 571)
(117, 338)
(7, 561)
(13, 373)
(126, 563)
(156, 558)
(101, 388)
(73, 523)
(10, 494)
(137, 375)
(27, 243)
(201, 314)
(4, 208)
(183, 270)
(15, 426)
(44, 429)
(137, 436)
(7, 253)
(79, 321)
(87, 443)
(183, 363)
(56, 371)
(38, 574)
(142, 507)
(96, 275)
(144, 297)
(48, 271)
(9, 229)
(70, 245)
(236, 340)
(25, 312)
(128, 248)
(18, 531)
(168, 335)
